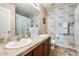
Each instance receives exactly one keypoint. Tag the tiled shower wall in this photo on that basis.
(60, 21)
(77, 27)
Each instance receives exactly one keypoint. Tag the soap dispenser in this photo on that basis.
(6, 37)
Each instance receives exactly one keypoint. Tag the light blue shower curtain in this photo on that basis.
(22, 24)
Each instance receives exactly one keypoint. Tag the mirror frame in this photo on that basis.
(11, 7)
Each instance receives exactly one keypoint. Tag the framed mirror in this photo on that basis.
(7, 19)
(26, 16)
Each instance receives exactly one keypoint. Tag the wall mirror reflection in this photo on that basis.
(26, 17)
(5, 20)
(16, 19)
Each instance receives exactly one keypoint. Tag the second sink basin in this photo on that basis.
(18, 44)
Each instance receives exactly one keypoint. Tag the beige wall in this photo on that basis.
(12, 8)
(43, 15)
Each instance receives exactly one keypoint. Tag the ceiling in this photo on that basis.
(46, 6)
(25, 9)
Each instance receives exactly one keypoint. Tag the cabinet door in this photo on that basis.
(47, 47)
(38, 51)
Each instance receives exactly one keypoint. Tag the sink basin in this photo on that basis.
(18, 44)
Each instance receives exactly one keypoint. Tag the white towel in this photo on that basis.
(65, 24)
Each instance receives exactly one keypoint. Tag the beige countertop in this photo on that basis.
(23, 50)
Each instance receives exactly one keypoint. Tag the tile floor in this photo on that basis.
(59, 51)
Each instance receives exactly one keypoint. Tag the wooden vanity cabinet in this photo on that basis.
(47, 47)
(38, 51)
(42, 50)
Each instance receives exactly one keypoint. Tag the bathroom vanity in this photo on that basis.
(43, 49)
(39, 47)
